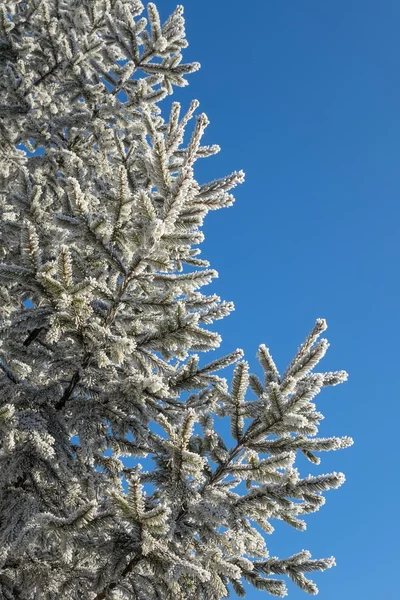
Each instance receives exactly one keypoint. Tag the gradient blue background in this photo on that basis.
(304, 96)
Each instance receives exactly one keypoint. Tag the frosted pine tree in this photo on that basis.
(102, 320)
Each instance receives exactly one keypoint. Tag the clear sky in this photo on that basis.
(304, 96)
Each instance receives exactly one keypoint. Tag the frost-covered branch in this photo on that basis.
(102, 323)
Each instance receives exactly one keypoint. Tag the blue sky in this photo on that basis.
(305, 97)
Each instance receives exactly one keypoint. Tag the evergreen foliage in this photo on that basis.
(99, 228)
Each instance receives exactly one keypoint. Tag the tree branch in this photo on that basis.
(85, 361)
(32, 336)
(73, 383)
(111, 586)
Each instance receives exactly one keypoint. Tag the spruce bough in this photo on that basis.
(99, 227)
